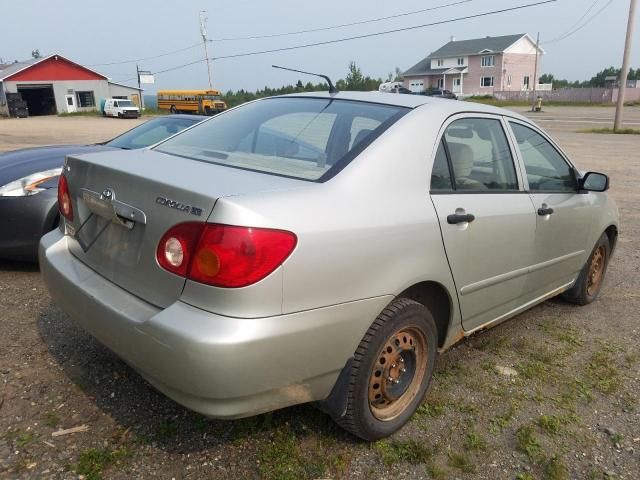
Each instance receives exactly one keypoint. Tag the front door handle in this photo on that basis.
(456, 218)
(542, 211)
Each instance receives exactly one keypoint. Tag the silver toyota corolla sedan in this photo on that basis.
(322, 248)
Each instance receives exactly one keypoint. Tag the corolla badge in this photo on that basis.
(167, 202)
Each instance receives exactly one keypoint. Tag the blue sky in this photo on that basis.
(92, 32)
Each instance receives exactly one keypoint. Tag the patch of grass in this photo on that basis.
(468, 408)
(281, 459)
(489, 366)
(51, 420)
(532, 369)
(527, 442)
(475, 441)
(525, 476)
(461, 462)
(500, 422)
(395, 451)
(90, 113)
(602, 372)
(24, 439)
(551, 424)
(621, 131)
(433, 406)
(555, 469)
(93, 461)
(246, 427)
(495, 346)
(166, 429)
(616, 439)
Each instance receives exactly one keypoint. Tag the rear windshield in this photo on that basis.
(304, 138)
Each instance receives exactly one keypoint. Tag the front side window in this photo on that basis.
(480, 155)
(488, 61)
(547, 170)
(486, 81)
(305, 138)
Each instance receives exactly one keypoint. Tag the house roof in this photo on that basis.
(126, 86)
(461, 48)
(11, 69)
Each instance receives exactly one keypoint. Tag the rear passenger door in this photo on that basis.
(563, 215)
(486, 218)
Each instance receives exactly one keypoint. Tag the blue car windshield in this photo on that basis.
(299, 137)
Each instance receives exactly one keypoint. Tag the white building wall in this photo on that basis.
(449, 62)
(100, 89)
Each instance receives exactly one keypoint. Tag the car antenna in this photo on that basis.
(332, 88)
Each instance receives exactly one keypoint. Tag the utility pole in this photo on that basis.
(535, 74)
(139, 89)
(622, 81)
(203, 32)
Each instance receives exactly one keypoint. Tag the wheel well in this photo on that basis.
(436, 298)
(612, 234)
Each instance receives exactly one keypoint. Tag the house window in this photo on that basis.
(460, 61)
(488, 61)
(440, 62)
(85, 99)
(509, 81)
(525, 83)
(440, 83)
(486, 81)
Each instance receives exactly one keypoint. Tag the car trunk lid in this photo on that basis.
(124, 202)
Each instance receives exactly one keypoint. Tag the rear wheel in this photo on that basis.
(589, 281)
(391, 370)
(173, 109)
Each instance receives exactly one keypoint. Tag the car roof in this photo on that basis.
(446, 106)
(185, 115)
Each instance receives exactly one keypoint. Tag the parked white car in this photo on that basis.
(115, 107)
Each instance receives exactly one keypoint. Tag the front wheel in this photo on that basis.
(589, 282)
(391, 370)
(172, 109)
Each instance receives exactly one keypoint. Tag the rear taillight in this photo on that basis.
(224, 255)
(64, 199)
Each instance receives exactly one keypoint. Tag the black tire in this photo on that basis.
(584, 291)
(401, 315)
(173, 109)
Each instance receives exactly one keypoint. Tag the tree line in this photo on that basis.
(354, 80)
(598, 80)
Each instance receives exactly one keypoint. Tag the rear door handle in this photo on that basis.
(542, 211)
(456, 218)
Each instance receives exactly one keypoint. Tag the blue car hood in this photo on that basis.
(20, 163)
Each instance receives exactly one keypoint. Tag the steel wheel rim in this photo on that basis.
(596, 271)
(398, 373)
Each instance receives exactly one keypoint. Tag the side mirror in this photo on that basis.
(594, 182)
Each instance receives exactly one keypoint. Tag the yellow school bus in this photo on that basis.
(204, 102)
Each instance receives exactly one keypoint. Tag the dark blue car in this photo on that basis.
(29, 182)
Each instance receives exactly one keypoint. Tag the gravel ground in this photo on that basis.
(550, 394)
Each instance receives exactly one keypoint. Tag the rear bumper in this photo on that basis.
(23, 220)
(220, 366)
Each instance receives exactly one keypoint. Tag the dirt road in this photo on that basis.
(552, 394)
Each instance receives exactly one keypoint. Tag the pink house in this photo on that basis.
(478, 67)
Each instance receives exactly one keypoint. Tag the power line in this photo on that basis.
(576, 30)
(274, 35)
(342, 25)
(375, 34)
(386, 32)
(145, 58)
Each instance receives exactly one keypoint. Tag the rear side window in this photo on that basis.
(480, 155)
(546, 170)
(298, 137)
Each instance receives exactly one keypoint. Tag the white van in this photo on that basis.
(116, 107)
